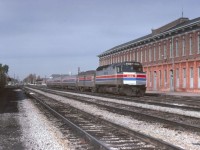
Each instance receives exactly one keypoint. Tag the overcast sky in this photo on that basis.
(58, 36)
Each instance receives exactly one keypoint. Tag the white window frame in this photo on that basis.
(154, 53)
(177, 54)
(165, 78)
(177, 77)
(160, 79)
(150, 79)
(150, 52)
(190, 43)
(159, 52)
(183, 47)
(191, 77)
(170, 50)
(165, 51)
(184, 77)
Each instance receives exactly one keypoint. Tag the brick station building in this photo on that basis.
(170, 56)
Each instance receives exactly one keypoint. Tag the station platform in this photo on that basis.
(170, 93)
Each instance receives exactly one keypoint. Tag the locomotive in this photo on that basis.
(125, 78)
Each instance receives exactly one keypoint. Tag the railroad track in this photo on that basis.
(186, 103)
(100, 133)
(172, 120)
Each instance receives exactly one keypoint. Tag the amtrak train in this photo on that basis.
(126, 78)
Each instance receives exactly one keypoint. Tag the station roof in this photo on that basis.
(173, 26)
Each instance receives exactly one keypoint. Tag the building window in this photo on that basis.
(199, 77)
(150, 54)
(177, 48)
(145, 55)
(190, 45)
(141, 57)
(198, 44)
(160, 79)
(154, 53)
(199, 73)
(165, 78)
(184, 77)
(183, 47)
(191, 72)
(191, 77)
(159, 52)
(137, 58)
(177, 77)
(117, 58)
(171, 50)
(150, 80)
(134, 56)
(165, 52)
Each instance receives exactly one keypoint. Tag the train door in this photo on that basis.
(155, 81)
(171, 80)
(118, 71)
(191, 77)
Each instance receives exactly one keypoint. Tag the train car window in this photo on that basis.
(105, 73)
(132, 68)
(119, 69)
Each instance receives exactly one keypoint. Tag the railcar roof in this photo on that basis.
(87, 72)
(115, 64)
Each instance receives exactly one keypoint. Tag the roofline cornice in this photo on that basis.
(169, 32)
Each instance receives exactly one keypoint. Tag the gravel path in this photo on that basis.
(37, 131)
(185, 140)
(147, 106)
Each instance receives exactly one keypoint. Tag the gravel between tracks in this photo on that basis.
(37, 131)
(185, 140)
(147, 106)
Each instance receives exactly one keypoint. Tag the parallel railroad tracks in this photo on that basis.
(171, 119)
(182, 102)
(102, 134)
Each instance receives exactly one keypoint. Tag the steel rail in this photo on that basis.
(163, 120)
(95, 142)
(139, 135)
(143, 101)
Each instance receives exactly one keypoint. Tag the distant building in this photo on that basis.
(170, 56)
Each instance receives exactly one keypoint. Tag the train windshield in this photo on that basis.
(130, 67)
